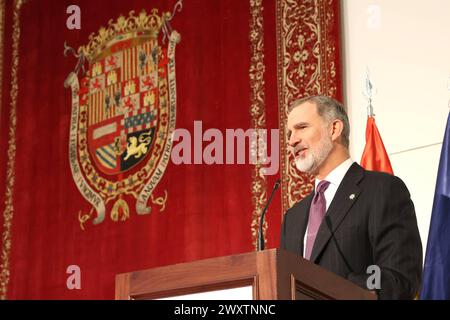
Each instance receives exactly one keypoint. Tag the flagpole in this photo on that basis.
(374, 156)
(368, 93)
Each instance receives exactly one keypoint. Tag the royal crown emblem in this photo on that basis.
(123, 114)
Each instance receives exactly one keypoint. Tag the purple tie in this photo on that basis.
(316, 214)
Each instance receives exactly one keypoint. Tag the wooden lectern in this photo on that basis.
(273, 275)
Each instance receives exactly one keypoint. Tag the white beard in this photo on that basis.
(315, 156)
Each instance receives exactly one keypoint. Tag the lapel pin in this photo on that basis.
(352, 196)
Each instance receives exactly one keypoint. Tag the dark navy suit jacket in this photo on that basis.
(373, 222)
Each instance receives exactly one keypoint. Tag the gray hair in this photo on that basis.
(330, 110)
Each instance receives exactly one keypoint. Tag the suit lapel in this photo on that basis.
(346, 195)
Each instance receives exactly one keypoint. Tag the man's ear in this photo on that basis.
(337, 126)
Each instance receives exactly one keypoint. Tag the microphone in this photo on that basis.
(328, 222)
(261, 221)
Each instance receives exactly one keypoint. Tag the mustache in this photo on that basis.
(297, 148)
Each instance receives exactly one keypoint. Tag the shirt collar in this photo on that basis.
(337, 174)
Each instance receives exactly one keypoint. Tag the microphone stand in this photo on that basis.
(260, 246)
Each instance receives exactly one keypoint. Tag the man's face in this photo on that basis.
(308, 137)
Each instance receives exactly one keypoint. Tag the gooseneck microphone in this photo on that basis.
(261, 220)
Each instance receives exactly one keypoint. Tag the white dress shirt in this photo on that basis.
(334, 178)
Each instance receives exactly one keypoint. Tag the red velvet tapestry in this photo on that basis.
(114, 123)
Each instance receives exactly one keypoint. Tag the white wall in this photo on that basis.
(406, 46)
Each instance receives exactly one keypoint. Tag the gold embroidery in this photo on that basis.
(132, 25)
(82, 218)
(9, 209)
(161, 201)
(120, 210)
(2, 28)
(112, 78)
(149, 99)
(130, 88)
(306, 67)
(135, 149)
(257, 113)
(110, 190)
(140, 32)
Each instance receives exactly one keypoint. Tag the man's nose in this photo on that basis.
(294, 139)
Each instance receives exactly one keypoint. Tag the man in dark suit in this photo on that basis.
(354, 218)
